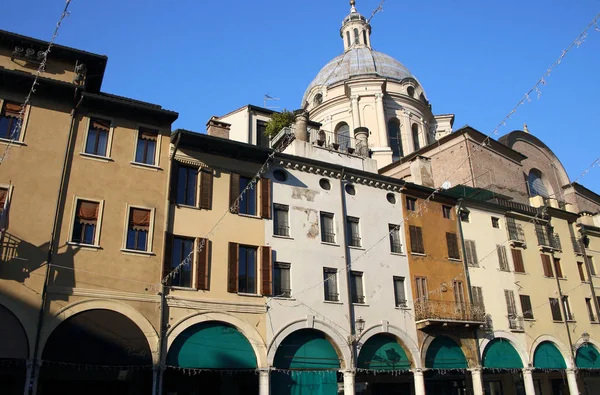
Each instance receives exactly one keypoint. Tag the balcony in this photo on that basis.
(431, 313)
(516, 324)
(577, 246)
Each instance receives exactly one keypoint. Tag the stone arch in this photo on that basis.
(249, 331)
(339, 342)
(102, 304)
(512, 339)
(564, 351)
(27, 323)
(464, 347)
(404, 339)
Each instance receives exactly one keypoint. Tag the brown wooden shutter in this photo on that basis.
(234, 192)
(547, 266)
(518, 261)
(232, 272)
(265, 198)
(202, 258)
(206, 189)
(168, 257)
(267, 271)
(174, 181)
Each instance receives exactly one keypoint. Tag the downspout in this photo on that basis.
(53, 238)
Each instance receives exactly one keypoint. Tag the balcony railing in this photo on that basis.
(516, 323)
(515, 232)
(438, 310)
(577, 246)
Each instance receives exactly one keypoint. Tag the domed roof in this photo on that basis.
(357, 62)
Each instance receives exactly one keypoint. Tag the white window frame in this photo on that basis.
(21, 139)
(108, 142)
(156, 165)
(149, 250)
(76, 199)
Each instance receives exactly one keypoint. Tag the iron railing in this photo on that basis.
(449, 311)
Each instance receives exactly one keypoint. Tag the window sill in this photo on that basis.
(125, 251)
(17, 143)
(330, 244)
(283, 237)
(398, 253)
(455, 259)
(418, 254)
(91, 247)
(96, 157)
(332, 302)
(249, 295)
(145, 166)
(356, 248)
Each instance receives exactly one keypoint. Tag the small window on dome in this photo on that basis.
(411, 91)
(318, 99)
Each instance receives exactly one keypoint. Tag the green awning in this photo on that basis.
(444, 353)
(587, 357)
(211, 345)
(500, 354)
(306, 349)
(547, 356)
(382, 352)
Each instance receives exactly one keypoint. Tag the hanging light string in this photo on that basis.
(42, 67)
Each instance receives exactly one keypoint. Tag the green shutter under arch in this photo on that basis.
(306, 349)
(382, 352)
(444, 353)
(500, 354)
(211, 345)
(587, 357)
(547, 356)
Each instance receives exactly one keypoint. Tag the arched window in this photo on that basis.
(415, 136)
(411, 91)
(355, 36)
(342, 135)
(318, 99)
(348, 38)
(395, 139)
(365, 37)
(536, 184)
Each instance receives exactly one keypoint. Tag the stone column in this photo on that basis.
(355, 113)
(572, 380)
(408, 133)
(264, 382)
(419, 382)
(349, 382)
(528, 381)
(477, 383)
(381, 125)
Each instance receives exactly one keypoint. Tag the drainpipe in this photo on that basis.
(31, 388)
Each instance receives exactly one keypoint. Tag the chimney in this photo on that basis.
(362, 141)
(421, 172)
(301, 126)
(216, 128)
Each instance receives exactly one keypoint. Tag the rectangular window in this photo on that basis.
(395, 242)
(86, 222)
(281, 225)
(411, 204)
(452, 243)
(558, 268)
(496, 222)
(97, 137)
(330, 282)
(547, 266)
(581, 271)
(477, 293)
(464, 216)
(416, 240)
(358, 295)
(447, 212)
(145, 151)
(248, 200)
(9, 120)
(526, 307)
(399, 292)
(247, 270)
(555, 309)
(502, 259)
(511, 308)
(182, 248)
(281, 279)
(422, 293)
(327, 231)
(471, 253)
(187, 185)
(518, 261)
(567, 306)
(353, 232)
(590, 309)
(138, 230)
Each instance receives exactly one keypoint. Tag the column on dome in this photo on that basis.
(381, 124)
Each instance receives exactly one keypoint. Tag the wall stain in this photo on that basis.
(304, 193)
(312, 221)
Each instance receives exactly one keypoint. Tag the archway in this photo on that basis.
(14, 349)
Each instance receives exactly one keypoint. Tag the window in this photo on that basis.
(182, 248)
(464, 216)
(452, 243)
(399, 292)
(471, 253)
(517, 256)
(353, 232)
(187, 180)
(502, 260)
(247, 270)
(555, 309)
(9, 120)
(567, 306)
(411, 204)
(86, 222)
(327, 231)
(138, 230)
(395, 242)
(526, 307)
(415, 136)
(145, 151)
(558, 268)
(97, 137)
(416, 240)
(248, 201)
(281, 280)
(477, 293)
(581, 272)
(330, 281)
(447, 212)
(496, 222)
(547, 266)
(590, 309)
(511, 307)
(422, 293)
(342, 136)
(358, 295)
(395, 139)
(281, 225)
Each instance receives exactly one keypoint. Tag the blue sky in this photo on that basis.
(475, 59)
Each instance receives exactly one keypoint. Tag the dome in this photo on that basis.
(358, 62)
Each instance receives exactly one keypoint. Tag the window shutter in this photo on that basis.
(547, 266)
(267, 271)
(265, 198)
(202, 258)
(518, 261)
(526, 306)
(174, 181)
(234, 192)
(168, 257)
(206, 189)
(232, 272)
